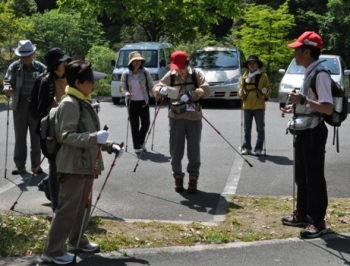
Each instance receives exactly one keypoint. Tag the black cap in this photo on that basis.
(54, 57)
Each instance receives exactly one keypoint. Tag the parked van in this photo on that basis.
(157, 56)
(222, 68)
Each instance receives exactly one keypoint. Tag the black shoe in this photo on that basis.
(294, 220)
(19, 171)
(39, 171)
(313, 230)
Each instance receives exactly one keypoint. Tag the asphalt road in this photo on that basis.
(148, 193)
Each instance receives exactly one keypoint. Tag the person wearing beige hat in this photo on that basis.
(18, 83)
(136, 84)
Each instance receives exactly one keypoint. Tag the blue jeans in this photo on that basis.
(248, 121)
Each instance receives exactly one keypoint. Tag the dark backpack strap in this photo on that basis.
(193, 77)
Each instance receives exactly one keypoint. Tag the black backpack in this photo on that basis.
(340, 105)
(48, 141)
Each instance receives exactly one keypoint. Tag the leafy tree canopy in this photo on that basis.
(65, 30)
(264, 32)
(173, 20)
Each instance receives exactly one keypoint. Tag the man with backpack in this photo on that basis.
(185, 118)
(18, 84)
(254, 90)
(50, 89)
(310, 137)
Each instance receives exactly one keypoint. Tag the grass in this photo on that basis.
(247, 219)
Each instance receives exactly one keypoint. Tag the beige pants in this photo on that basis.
(68, 217)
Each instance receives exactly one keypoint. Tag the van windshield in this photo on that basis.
(331, 64)
(215, 59)
(151, 58)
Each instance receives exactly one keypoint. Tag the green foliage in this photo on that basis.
(171, 21)
(264, 32)
(22, 7)
(68, 31)
(100, 58)
(333, 29)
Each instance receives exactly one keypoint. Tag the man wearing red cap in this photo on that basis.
(310, 143)
(185, 118)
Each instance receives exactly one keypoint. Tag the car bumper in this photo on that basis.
(224, 92)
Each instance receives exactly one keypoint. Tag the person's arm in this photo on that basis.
(204, 90)
(165, 81)
(9, 80)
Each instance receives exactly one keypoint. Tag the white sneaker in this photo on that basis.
(64, 259)
(258, 152)
(245, 151)
(138, 150)
(90, 247)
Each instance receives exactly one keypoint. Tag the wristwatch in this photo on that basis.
(308, 103)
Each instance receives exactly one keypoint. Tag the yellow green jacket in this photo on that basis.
(253, 98)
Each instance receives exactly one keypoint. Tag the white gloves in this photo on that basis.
(102, 136)
(185, 98)
(264, 90)
(163, 90)
(118, 150)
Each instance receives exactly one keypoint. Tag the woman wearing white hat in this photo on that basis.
(18, 83)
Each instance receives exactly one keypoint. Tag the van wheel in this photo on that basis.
(115, 100)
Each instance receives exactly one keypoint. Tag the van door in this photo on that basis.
(163, 63)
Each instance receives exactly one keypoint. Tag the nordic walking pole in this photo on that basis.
(7, 136)
(217, 131)
(155, 110)
(127, 103)
(104, 183)
(27, 183)
(149, 132)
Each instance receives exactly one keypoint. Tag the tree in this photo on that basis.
(68, 31)
(172, 19)
(21, 7)
(334, 29)
(264, 32)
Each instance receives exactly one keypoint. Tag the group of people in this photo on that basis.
(68, 85)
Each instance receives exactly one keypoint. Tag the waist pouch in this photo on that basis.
(178, 107)
(302, 123)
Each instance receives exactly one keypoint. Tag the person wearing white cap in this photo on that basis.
(79, 162)
(18, 83)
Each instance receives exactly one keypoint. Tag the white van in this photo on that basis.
(157, 56)
(222, 68)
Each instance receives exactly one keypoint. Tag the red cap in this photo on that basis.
(309, 38)
(178, 60)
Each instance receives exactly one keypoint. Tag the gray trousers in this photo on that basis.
(181, 130)
(68, 217)
(22, 120)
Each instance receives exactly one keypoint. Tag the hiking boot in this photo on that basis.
(19, 171)
(64, 259)
(246, 151)
(313, 230)
(88, 248)
(179, 183)
(192, 184)
(294, 220)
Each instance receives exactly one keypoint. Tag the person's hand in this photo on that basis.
(102, 136)
(128, 95)
(119, 151)
(8, 91)
(199, 92)
(163, 90)
(184, 98)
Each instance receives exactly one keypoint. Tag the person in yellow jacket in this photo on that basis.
(254, 90)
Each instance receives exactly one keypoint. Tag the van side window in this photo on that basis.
(167, 55)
